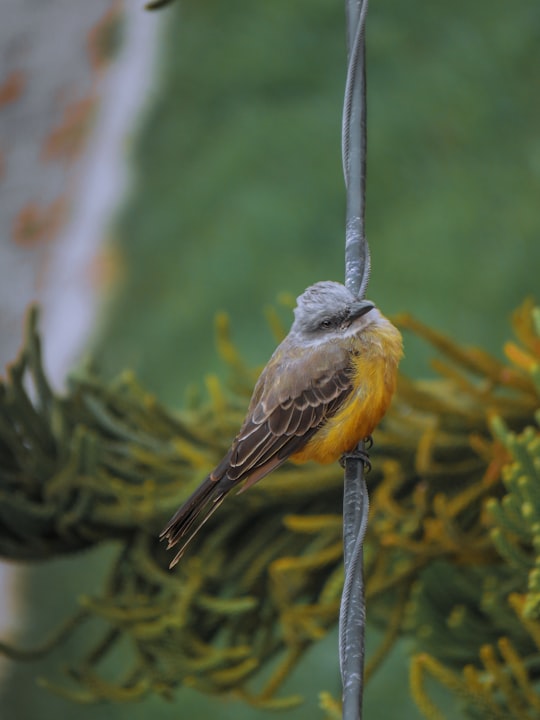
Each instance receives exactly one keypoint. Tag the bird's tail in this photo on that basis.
(191, 516)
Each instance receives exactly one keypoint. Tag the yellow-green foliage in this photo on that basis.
(481, 632)
(262, 581)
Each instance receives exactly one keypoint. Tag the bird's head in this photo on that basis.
(329, 309)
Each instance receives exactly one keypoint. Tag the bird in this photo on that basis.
(325, 388)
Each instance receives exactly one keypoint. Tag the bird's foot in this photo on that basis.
(359, 454)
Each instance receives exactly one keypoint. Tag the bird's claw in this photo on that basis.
(358, 454)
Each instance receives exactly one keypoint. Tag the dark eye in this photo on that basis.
(325, 324)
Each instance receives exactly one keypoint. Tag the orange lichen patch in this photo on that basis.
(12, 87)
(66, 140)
(104, 38)
(35, 224)
(106, 267)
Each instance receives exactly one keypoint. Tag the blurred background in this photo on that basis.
(158, 167)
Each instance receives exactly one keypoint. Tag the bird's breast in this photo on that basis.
(374, 378)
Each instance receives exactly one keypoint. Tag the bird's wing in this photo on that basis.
(294, 396)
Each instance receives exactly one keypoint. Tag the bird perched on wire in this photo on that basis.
(325, 388)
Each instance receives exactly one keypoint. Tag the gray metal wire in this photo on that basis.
(354, 147)
(357, 268)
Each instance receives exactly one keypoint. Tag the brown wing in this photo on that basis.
(294, 396)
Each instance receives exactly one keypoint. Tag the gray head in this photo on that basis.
(327, 308)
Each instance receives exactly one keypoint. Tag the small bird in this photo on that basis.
(325, 388)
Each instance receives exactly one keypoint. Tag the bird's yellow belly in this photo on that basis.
(374, 385)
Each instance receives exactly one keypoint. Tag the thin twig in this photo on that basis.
(357, 268)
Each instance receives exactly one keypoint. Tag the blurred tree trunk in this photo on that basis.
(72, 77)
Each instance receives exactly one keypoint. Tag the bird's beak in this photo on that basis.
(359, 308)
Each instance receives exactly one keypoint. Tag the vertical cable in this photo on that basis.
(357, 268)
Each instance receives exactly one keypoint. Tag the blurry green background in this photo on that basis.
(238, 195)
